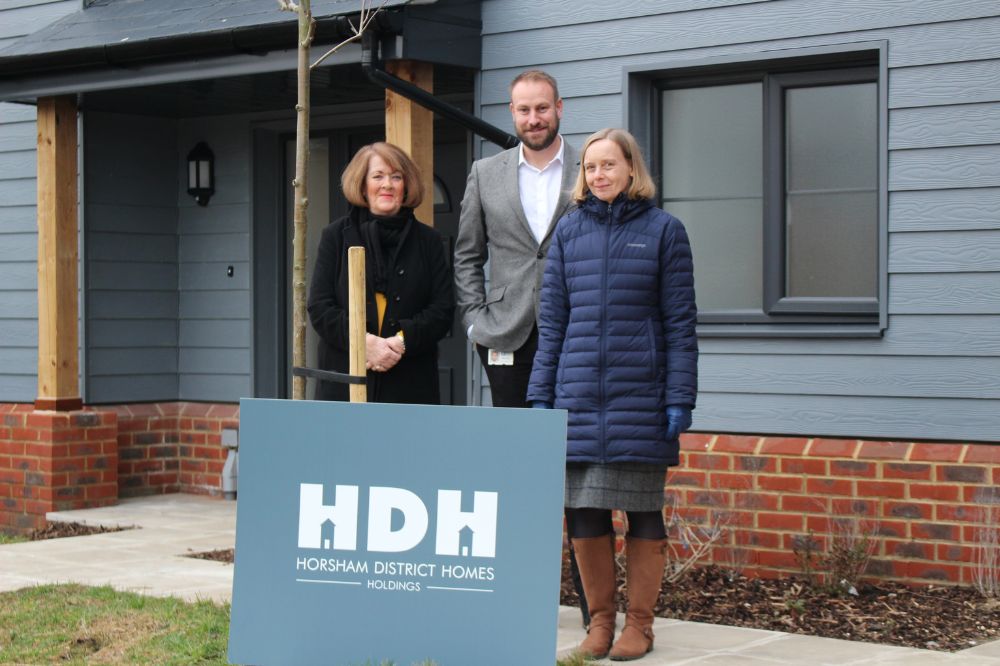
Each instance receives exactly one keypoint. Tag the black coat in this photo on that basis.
(420, 302)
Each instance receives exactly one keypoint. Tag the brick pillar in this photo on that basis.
(54, 461)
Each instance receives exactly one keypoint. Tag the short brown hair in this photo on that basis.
(352, 181)
(642, 185)
(536, 75)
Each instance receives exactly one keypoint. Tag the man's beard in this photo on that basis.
(546, 140)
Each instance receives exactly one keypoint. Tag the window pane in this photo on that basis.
(712, 141)
(831, 205)
(726, 243)
(831, 244)
(832, 137)
(712, 180)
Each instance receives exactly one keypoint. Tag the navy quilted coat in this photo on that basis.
(616, 341)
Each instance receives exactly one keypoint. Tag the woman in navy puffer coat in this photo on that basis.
(617, 350)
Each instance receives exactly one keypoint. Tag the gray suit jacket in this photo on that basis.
(493, 226)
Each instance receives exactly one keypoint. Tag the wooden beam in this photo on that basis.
(58, 256)
(411, 126)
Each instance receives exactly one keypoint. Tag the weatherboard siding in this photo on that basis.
(18, 221)
(214, 315)
(934, 373)
(130, 227)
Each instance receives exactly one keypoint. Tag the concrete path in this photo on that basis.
(150, 560)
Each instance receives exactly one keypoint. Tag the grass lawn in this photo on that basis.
(73, 624)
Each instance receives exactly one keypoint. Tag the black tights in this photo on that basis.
(588, 523)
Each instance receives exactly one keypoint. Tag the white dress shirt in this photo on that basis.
(539, 189)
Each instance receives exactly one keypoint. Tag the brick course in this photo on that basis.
(55, 461)
(173, 447)
(68, 460)
(924, 504)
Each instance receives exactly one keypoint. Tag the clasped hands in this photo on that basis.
(382, 354)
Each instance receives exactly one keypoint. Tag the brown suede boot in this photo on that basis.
(645, 560)
(596, 558)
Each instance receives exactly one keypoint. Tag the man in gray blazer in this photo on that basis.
(511, 205)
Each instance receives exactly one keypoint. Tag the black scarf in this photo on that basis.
(383, 237)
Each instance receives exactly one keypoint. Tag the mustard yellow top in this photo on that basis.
(380, 303)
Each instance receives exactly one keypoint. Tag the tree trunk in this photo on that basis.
(301, 188)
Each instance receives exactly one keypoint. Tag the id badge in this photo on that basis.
(497, 357)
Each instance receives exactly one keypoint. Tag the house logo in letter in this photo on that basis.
(333, 526)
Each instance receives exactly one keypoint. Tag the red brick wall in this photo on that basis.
(172, 447)
(922, 502)
(53, 461)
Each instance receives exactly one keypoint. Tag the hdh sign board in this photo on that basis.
(399, 533)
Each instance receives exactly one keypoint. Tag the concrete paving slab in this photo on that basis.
(701, 637)
(151, 560)
(729, 659)
(817, 650)
(991, 650)
(929, 658)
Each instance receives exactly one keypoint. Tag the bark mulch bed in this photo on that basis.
(942, 618)
(59, 530)
(221, 555)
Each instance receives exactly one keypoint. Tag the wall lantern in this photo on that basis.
(201, 173)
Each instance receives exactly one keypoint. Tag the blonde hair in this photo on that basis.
(641, 186)
(352, 181)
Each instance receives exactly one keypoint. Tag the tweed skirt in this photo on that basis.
(623, 486)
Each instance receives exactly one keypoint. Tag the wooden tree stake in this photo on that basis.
(356, 319)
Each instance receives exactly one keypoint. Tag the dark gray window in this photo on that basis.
(777, 169)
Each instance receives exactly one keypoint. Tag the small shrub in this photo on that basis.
(986, 573)
(851, 550)
(807, 556)
(841, 567)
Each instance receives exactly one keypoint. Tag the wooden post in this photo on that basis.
(411, 127)
(58, 256)
(356, 320)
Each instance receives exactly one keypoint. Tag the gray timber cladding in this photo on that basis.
(935, 374)
(164, 319)
(214, 309)
(130, 229)
(18, 235)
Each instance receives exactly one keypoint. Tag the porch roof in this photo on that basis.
(107, 24)
(122, 43)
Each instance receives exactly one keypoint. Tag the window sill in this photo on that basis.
(872, 330)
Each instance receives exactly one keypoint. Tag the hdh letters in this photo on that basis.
(342, 516)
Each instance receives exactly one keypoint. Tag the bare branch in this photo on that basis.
(312, 33)
(986, 574)
(365, 18)
(693, 542)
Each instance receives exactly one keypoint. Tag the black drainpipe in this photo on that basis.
(386, 80)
